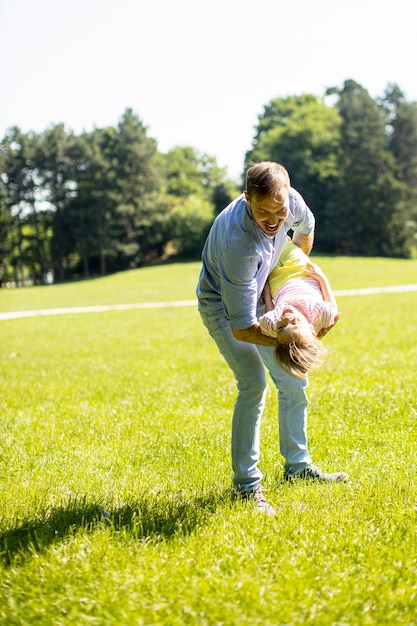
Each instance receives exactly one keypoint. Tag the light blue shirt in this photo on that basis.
(238, 257)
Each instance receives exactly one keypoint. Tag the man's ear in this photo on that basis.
(246, 196)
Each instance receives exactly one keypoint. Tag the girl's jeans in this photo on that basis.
(247, 362)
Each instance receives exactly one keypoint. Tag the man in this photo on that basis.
(241, 250)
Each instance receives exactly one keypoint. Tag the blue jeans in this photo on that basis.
(247, 362)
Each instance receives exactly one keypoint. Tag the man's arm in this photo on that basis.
(305, 242)
(254, 335)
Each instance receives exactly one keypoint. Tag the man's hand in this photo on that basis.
(254, 335)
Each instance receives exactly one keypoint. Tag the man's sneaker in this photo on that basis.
(257, 497)
(313, 473)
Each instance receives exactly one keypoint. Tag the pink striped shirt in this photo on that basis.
(303, 294)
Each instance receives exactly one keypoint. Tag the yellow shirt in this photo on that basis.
(291, 264)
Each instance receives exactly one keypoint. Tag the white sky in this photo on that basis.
(196, 73)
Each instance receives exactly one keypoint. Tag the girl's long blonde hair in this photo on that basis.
(297, 359)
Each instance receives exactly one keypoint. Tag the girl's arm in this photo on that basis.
(269, 304)
(328, 296)
(317, 273)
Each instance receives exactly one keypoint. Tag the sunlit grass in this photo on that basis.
(129, 412)
(150, 284)
(178, 280)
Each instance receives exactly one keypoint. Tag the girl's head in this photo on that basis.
(298, 359)
(298, 350)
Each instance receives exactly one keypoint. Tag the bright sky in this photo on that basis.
(196, 73)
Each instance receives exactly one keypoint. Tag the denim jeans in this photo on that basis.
(247, 362)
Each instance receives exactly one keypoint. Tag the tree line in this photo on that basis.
(103, 201)
(75, 206)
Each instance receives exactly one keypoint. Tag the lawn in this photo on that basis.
(115, 471)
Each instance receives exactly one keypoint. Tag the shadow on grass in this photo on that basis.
(159, 517)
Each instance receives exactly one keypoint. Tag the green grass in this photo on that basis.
(177, 282)
(150, 284)
(129, 411)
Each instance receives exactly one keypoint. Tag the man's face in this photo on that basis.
(271, 212)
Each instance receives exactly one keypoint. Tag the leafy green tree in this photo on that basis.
(26, 221)
(91, 213)
(189, 220)
(138, 221)
(182, 171)
(110, 185)
(57, 167)
(224, 193)
(304, 134)
(5, 221)
(366, 210)
(402, 143)
(189, 172)
(195, 189)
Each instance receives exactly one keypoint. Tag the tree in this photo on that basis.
(402, 143)
(91, 212)
(138, 219)
(5, 219)
(303, 134)
(194, 191)
(57, 167)
(366, 209)
(25, 219)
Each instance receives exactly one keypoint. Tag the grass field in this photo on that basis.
(129, 412)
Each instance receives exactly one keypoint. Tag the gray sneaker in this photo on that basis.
(256, 496)
(313, 473)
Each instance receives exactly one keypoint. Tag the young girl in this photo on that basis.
(300, 308)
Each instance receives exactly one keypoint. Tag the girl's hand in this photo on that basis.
(314, 271)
